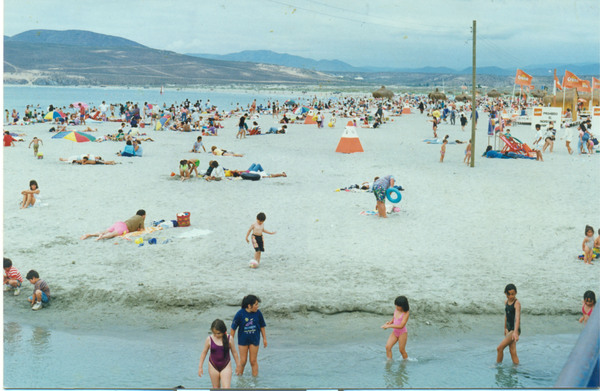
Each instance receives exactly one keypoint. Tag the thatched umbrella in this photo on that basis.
(494, 94)
(462, 97)
(538, 93)
(383, 93)
(437, 95)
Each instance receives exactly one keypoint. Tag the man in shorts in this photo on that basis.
(135, 223)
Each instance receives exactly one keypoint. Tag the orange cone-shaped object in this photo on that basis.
(349, 142)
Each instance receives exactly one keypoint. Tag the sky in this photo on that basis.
(387, 33)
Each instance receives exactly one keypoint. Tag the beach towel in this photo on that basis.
(145, 231)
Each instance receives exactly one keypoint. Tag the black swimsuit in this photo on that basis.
(510, 317)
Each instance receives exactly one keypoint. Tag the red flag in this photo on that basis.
(595, 83)
(570, 80)
(557, 83)
(522, 78)
(584, 86)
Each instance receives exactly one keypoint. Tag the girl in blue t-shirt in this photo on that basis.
(251, 325)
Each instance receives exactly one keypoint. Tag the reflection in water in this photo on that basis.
(507, 377)
(40, 340)
(12, 337)
(396, 375)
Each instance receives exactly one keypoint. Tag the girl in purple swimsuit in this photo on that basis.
(398, 323)
(219, 362)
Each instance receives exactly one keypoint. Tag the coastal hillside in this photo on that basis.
(69, 58)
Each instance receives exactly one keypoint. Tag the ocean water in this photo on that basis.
(41, 357)
(18, 97)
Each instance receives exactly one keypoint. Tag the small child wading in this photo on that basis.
(257, 229)
(398, 323)
(512, 324)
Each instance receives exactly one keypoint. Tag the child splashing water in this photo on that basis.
(512, 324)
(398, 323)
(219, 362)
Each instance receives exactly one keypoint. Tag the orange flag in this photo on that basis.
(584, 86)
(557, 83)
(570, 80)
(595, 83)
(522, 78)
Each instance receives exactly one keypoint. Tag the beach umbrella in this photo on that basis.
(52, 115)
(74, 135)
(383, 93)
(538, 93)
(494, 94)
(76, 105)
(437, 95)
(462, 97)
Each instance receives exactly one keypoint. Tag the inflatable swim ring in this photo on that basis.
(250, 176)
(393, 195)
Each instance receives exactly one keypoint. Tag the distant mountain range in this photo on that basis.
(77, 57)
(288, 60)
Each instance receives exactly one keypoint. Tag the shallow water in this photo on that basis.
(36, 357)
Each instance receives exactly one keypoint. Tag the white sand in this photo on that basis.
(462, 235)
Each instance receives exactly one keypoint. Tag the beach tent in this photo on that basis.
(406, 110)
(349, 142)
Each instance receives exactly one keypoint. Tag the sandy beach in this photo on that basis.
(461, 234)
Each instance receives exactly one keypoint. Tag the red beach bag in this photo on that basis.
(183, 219)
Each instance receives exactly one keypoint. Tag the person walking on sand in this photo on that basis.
(36, 145)
(512, 325)
(251, 326)
(398, 323)
(242, 127)
(135, 223)
(219, 361)
(257, 229)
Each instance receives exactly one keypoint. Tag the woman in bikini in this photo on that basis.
(219, 361)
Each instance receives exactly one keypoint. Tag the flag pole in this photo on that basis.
(564, 91)
(473, 103)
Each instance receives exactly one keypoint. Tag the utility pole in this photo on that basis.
(473, 103)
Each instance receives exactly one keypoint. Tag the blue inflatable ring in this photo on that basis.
(393, 195)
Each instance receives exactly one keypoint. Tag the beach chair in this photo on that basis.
(514, 145)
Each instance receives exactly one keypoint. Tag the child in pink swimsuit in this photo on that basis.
(398, 323)
(589, 301)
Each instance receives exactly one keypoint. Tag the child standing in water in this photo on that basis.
(589, 301)
(257, 229)
(219, 361)
(588, 245)
(398, 323)
(512, 324)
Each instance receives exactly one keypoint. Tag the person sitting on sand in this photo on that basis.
(197, 145)
(128, 150)
(221, 152)
(214, 172)
(135, 223)
(31, 195)
(186, 166)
